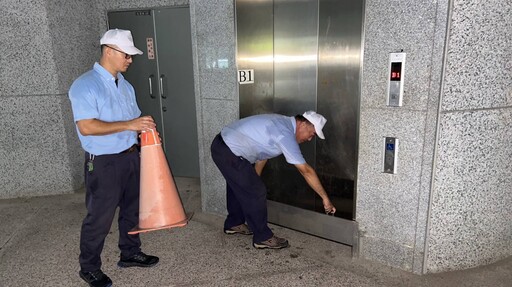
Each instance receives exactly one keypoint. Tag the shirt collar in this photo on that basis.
(106, 74)
(294, 124)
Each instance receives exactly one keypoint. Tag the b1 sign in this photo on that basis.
(246, 76)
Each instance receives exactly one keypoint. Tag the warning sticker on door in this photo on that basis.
(151, 48)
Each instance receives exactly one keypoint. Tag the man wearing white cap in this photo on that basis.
(241, 151)
(108, 121)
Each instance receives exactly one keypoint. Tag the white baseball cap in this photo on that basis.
(122, 39)
(317, 120)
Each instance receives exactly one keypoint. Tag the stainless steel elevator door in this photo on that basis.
(306, 55)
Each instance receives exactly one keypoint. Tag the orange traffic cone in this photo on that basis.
(160, 205)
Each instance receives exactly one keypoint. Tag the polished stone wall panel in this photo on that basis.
(387, 204)
(430, 136)
(216, 43)
(218, 113)
(74, 38)
(392, 210)
(407, 26)
(40, 150)
(34, 156)
(471, 211)
(27, 56)
(217, 89)
(479, 60)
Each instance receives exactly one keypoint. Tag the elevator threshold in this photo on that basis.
(329, 227)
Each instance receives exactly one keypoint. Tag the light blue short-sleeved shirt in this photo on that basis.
(95, 95)
(263, 137)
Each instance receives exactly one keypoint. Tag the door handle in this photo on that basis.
(162, 93)
(150, 81)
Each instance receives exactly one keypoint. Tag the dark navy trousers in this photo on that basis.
(246, 194)
(113, 182)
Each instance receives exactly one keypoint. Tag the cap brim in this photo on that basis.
(319, 133)
(130, 50)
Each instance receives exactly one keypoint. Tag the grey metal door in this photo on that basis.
(174, 49)
(306, 55)
(143, 72)
(163, 79)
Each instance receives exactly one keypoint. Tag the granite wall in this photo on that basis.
(42, 44)
(471, 210)
(46, 44)
(216, 90)
(448, 207)
(392, 210)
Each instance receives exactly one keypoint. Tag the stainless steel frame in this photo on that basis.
(330, 227)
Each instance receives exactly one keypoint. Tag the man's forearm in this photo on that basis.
(95, 127)
(312, 179)
(314, 182)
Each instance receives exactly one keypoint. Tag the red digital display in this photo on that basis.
(396, 71)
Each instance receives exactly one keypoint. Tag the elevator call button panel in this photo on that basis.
(390, 154)
(396, 79)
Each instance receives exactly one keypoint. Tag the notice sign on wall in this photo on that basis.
(246, 76)
(151, 48)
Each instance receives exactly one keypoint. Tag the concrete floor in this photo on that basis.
(39, 247)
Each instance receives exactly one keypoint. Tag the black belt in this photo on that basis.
(130, 149)
(222, 141)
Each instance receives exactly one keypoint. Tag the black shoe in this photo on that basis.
(96, 278)
(138, 260)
